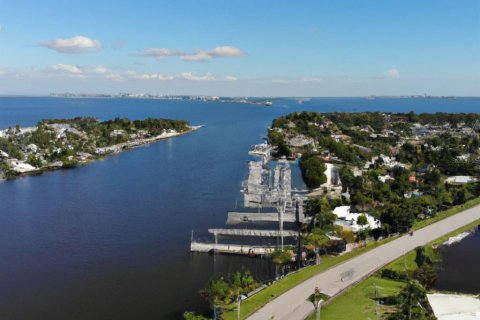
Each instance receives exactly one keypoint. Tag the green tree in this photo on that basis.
(433, 177)
(362, 220)
(320, 209)
(216, 291)
(280, 258)
(411, 296)
(347, 178)
(420, 257)
(426, 275)
(313, 171)
(359, 199)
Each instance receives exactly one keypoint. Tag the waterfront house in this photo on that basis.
(341, 212)
(351, 219)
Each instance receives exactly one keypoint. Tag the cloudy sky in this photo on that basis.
(241, 48)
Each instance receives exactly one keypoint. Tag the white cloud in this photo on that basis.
(226, 51)
(99, 72)
(160, 52)
(98, 69)
(77, 44)
(83, 72)
(393, 73)
(148, 76)
(199, 55)
(67, 68)
(217, 52)
(190, 76)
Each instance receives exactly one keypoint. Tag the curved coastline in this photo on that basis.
(100, 153)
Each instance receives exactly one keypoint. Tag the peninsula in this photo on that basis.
(62, 143)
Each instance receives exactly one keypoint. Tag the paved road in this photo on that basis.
(293, 304)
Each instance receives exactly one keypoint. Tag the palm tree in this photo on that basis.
(280, 258)
(413, 294)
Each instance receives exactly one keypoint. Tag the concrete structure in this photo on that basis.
(253, 232)
(300, 141)
(293, 304)
(332, 173)
(231, 248)
(259, 190)
(242, 217)
(454, 306)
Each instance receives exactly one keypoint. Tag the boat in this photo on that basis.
(262, 150)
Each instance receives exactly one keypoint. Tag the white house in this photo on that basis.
(385, 178)
(341, 212)
(350, 222)
(460, 179)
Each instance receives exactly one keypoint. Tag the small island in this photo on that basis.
(63, 143)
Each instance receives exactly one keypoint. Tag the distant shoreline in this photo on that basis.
(199, 97)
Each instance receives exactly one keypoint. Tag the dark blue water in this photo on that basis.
(110, 240)
(458, 269)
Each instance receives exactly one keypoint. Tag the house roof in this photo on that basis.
(342, 211)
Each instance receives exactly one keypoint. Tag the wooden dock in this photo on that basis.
(231, 248)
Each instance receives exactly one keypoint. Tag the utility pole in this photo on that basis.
(238, 307)
(281, 209)
(376, 298)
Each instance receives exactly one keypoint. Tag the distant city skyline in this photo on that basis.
(247, 48)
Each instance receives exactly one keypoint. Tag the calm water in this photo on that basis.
(110, 240)
(459, 269)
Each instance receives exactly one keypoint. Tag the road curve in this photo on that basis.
(293, 304)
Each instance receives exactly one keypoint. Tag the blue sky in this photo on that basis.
(241, 48)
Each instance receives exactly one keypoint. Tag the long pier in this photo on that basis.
(254, 232)
(231, 248)
(241, 217)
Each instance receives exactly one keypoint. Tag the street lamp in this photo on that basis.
(317, 301)
(377, 302)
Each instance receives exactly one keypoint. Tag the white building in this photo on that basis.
(385, 178)
(341, 212)
(20, 166)
(351, 219)
(460, 179)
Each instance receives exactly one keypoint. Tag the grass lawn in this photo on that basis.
(358, 303)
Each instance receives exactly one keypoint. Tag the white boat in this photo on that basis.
(262, 149)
